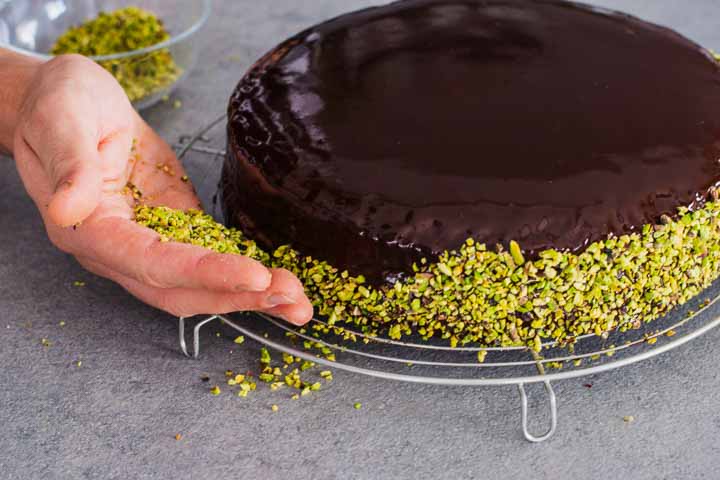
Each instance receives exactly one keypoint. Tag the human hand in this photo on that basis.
(72, 145)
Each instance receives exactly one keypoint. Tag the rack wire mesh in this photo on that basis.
(433, 362)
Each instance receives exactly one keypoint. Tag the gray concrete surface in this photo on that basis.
(115, 417)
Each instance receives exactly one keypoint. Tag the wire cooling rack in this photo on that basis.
(413, 360)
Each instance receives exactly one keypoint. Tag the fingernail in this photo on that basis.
(277, 299)
(289, 320)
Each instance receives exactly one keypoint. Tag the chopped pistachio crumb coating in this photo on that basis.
(496, 298)
(120, 31)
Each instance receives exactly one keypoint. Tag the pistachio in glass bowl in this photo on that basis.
(148, 45)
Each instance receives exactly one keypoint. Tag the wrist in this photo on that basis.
(16, 73)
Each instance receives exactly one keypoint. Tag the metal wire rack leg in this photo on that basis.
(521, 386)
(524, 414)
(196, 336)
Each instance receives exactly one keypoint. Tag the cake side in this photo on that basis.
(480, 297)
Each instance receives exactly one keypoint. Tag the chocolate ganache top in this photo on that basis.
(398, 132)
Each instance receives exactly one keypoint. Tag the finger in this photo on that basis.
(68, 151)
(300, 311)
(115, 150)
(138, 253)
(299, 314)
(32, 174)
(184, 302)
(77, 193)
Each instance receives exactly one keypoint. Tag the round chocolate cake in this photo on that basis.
(558, 137)
(397, 133)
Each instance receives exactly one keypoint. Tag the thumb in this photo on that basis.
(76, 178)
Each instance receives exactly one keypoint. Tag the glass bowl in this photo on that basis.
(31, 27)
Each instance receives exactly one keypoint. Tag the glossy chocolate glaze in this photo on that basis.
(398, 132)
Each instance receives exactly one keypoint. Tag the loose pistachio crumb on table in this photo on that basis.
(125, 30)
(357, 406)
(215, 390)
(265, 356)
(494, 298)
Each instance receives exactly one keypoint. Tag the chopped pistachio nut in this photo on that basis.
(274, 408)
(166, 169)
(481, 355)
(327, 375)
(265, 356)
(215, 390)
(357, 406)
(292, 379)
(45, 342)
(494, 298)
(239, 340)
(628, 419)
(125, 30)
(78, 283)
(133, 191)
(266, 377)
